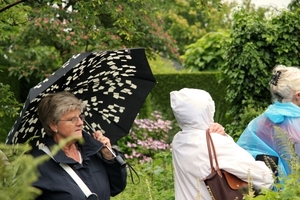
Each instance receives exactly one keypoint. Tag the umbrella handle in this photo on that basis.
(118, 158)
(111, 151)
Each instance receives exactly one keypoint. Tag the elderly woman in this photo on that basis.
(261, 136)
(194, 111)
(62, 118)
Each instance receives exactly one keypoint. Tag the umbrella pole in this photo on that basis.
(117, 157)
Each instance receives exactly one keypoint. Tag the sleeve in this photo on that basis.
(117, 174)
(236, 160)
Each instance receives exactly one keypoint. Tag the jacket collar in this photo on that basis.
(277, 112)
(88, 147)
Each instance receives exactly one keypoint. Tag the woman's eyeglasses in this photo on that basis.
(74, 120)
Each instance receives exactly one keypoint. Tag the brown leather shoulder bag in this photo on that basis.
(221, 184)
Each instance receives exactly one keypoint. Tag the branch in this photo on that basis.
(11, 5)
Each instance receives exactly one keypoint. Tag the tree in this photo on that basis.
(188, 20)
(51, 34)
(208, 52)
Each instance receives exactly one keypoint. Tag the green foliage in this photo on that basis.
(146, 108)
(33, 64)
(189, 20)
(10, 20)
(161, 65)
(207, 53)
(294, 4)
(45, 36)
(236, 128)
(156, 180)
(9, 108)
(8, 104)
(16, 177)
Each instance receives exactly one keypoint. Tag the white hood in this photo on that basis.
(192, 108)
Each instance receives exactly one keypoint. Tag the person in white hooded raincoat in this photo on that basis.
(194, 111)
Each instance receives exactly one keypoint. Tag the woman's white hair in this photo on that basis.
(285, 83)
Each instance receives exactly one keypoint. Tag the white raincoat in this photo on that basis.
(194, 111)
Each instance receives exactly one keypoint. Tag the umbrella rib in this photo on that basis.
(89, 126)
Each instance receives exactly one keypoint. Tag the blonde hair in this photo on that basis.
(53, 106)
(285, 83)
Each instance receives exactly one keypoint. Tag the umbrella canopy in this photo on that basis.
(113, 85)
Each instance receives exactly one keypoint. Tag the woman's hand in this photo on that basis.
(217, 128)
(106, 142)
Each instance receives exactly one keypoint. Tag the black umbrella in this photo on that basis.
(113, 85)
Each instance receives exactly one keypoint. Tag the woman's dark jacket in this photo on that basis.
(105, 178)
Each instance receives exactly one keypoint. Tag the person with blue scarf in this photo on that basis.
(262, 134)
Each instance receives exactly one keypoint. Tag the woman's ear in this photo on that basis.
(298, 96)
(53, 127)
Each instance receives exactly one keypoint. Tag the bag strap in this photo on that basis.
(211, 148)
(72, 173)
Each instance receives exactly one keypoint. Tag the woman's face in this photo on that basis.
(69, 125)
(296, 99)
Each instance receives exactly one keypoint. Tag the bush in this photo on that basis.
(236, 128)
(9, 108)
(207, 53)
(155, 180)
